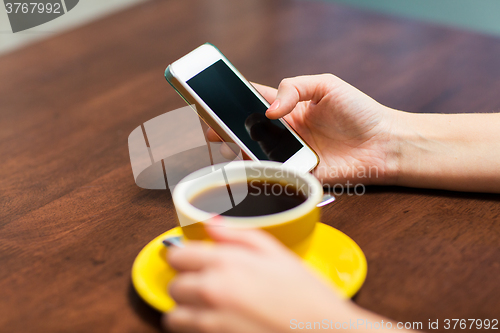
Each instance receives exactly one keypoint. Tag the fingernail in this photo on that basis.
(274, 106)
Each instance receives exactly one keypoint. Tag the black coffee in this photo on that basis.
(262, 198)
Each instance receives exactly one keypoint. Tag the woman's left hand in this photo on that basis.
(246, 282)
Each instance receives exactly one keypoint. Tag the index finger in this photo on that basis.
(255, 239)
(194, 257)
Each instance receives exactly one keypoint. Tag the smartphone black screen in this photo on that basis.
(243, 112)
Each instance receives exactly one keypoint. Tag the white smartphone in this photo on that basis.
(231, 106)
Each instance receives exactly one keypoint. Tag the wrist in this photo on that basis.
(400, 133)
(411, 143)
(417, 144)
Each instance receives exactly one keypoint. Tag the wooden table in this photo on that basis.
(73, 220)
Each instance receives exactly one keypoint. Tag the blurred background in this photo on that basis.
(86, 11)
(476, 15)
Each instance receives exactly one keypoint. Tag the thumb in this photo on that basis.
(267, 92)
(298, 89)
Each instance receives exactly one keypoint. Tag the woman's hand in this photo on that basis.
(353, 134)
(247, 282)
(360, 140)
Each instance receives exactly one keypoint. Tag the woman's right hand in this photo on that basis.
(353, 134)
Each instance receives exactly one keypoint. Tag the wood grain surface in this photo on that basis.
(72, 219)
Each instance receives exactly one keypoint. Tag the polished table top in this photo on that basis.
(72, 219)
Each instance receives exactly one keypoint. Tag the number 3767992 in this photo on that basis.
(33, 7)
(471, 324)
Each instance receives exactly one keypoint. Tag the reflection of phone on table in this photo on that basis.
(229, 104)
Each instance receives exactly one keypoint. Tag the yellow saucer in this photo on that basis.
(332, 253)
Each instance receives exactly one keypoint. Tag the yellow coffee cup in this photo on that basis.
(327, 251)
(293, 227)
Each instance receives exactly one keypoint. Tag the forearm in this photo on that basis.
(459, 152)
